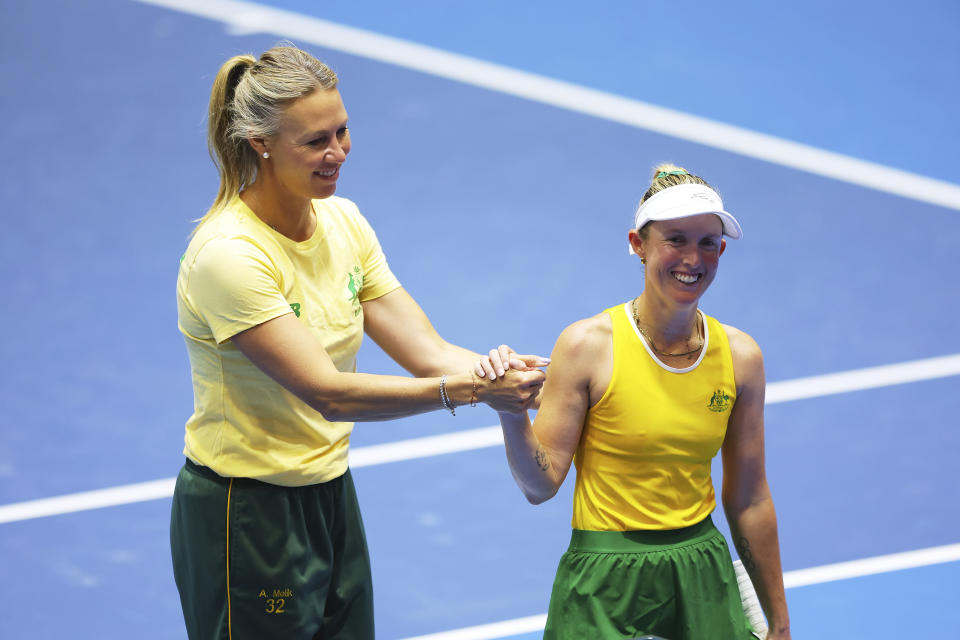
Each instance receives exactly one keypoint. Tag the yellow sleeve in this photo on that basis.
(378, 279)
(233, 285)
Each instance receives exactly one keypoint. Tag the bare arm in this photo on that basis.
(287, 352)
(400, 327)
(540, 453)
(746, 494)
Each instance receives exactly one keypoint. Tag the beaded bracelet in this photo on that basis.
(444, 398)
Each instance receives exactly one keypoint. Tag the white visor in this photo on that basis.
(683, 201)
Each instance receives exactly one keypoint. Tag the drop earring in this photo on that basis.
(266, 155)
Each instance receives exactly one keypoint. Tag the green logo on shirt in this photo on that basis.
(719, 401)
(296, 308)
(354, 285)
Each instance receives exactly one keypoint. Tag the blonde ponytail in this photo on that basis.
(234, 158)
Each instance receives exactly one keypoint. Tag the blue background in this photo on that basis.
(506, 219)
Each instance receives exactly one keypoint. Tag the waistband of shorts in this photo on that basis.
(205, 472)
(640, 541)
(210, 474)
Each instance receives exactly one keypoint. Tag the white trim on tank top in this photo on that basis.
(650, 351)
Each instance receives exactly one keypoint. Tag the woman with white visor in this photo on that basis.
(641, 398)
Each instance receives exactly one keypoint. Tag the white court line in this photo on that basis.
(503, 629)
(860, 379)
(249, 17)
(800, 388)
(86, 500)
(872, 566)
(799, 578)
(158, 489)
(429, 445)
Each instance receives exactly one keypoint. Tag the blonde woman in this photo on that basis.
(640, 398)
(279, 283)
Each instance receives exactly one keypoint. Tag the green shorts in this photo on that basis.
(258, 561)
(677, 584)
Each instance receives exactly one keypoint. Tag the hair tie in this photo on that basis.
(679, 172)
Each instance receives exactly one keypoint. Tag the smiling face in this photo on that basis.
(681, 256)
(311, 143)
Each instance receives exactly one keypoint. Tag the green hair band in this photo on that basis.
(679, 172)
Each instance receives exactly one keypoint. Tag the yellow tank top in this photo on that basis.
(644, 456)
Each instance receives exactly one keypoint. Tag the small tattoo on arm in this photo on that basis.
(541, 457)
(746, 556)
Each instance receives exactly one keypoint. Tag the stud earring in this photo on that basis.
(266, 155)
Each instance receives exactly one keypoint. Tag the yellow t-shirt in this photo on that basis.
(237, 273)
(643, 461)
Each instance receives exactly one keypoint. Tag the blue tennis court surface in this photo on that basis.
(505, 217)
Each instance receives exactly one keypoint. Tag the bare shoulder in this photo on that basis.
(584, 337)
(747, 356)
(582, 359)
(742, 343)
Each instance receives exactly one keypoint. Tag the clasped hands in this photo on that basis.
(510, 382)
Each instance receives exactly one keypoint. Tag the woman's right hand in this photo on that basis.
(503, 389)
(513, 392)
